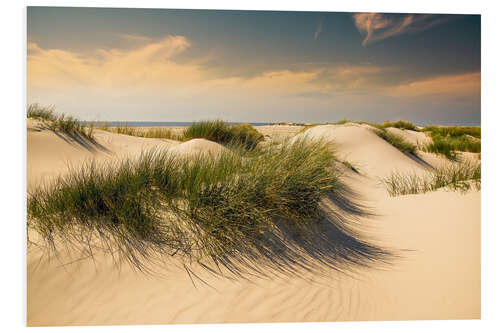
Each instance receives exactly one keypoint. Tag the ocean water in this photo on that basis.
(161, 123)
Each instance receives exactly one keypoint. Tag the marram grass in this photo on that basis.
(397, 141)
(60, 122)
(448, 140)
(245, 213)
(214, 130)
(460, 177)
(153, 132)
(224, 133)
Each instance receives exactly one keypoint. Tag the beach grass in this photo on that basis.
(454, 131)
(457, 177)
(401, 124)
(224, 133)
(69, 125)
(397, 141)
(447, 140)
(214, 130)
(153, 132)
(219, 208)
(36, 111)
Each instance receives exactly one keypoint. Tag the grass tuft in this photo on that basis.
(224, 133)
(457, 177)
(397, 141)
(36, 111)
(154, 132)
(61, 122)
(343, 121)
(401, 124)
(448, 140)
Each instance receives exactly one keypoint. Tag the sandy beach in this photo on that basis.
(435, 273)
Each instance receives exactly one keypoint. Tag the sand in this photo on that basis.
(437, 278)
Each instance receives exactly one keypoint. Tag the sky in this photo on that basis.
(254, 66)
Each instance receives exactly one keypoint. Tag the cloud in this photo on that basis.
(157, 66)
(354, 78)
(152, 81)
(376, 26)
(459, 85)
(319, 29)
(134, 38)
(108, 67)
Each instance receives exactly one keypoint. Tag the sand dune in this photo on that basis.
(437, 278)
(360, 146)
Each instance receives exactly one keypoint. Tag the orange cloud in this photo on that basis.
(150, 64)
(151, 67)
(149, 75)
(462, 85)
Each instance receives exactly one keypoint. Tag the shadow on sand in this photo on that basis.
(335, 241)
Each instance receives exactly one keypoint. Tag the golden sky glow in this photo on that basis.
(144, 76)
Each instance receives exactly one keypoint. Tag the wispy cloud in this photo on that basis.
(135, 38)
(458, 85)
(376, 26)
(319, 29)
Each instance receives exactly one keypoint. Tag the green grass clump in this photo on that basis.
(454, 131)
(35, 111)
(224, 133)
(448, 146)
(457, 177)
(230, 210)
(450, 139)
(397, 141)
(401, 124)
(61, 122)
(343, 121)
(154, 132)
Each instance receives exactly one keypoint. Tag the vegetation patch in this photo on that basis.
(458, 177)
(401, 124)
(61, 122)
(154, 132)
(448, 140)
(397, 141)
(260, 210)
(224, 133)
(454, 131)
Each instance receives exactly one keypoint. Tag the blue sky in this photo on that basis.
(183, 65)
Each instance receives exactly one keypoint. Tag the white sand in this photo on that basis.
(438, 279)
